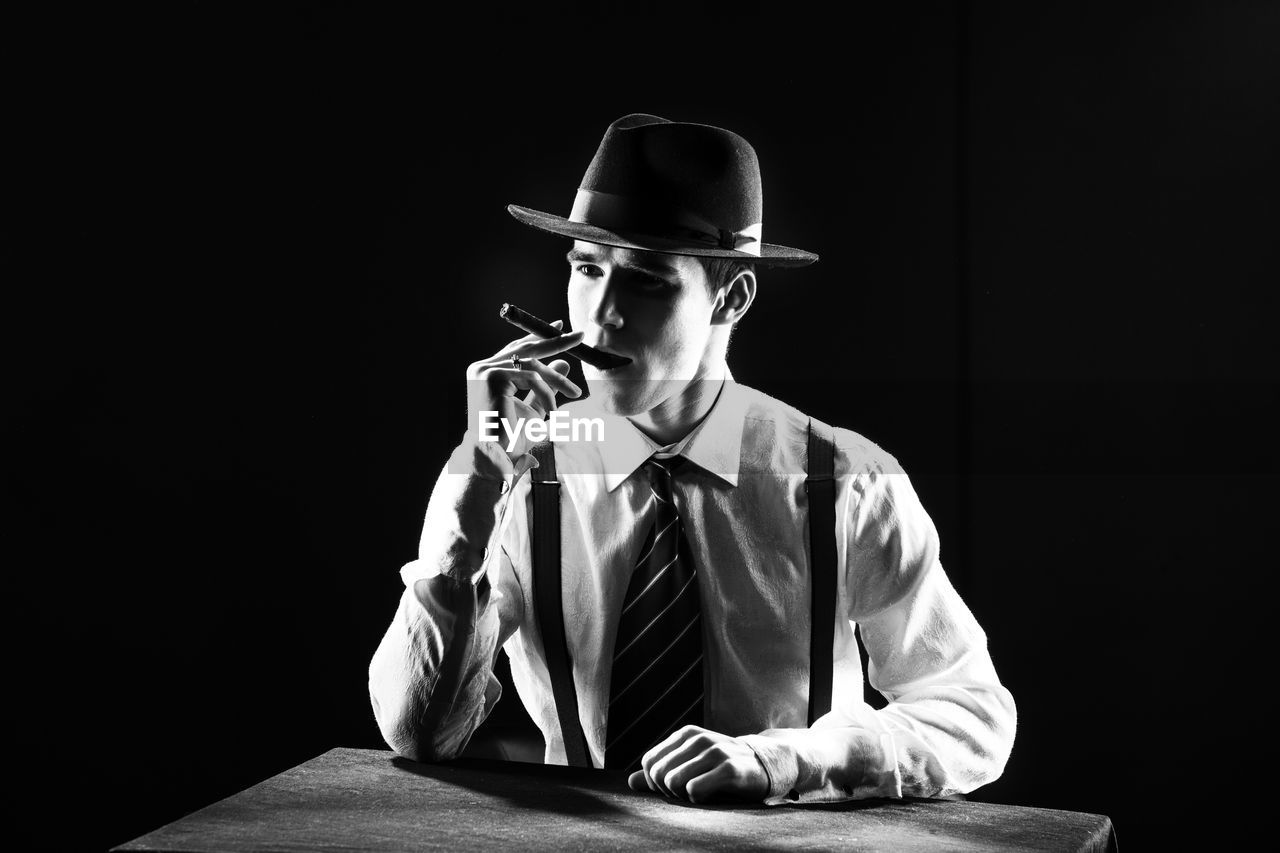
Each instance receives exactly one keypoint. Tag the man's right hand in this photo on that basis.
(494, 384)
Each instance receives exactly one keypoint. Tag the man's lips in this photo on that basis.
(612, 351)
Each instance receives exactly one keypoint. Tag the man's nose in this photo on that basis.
(607, 312)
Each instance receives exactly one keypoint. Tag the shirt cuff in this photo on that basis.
(802, 767)
(467, 512)
(488, 461)
(880, 776)
(780, 764)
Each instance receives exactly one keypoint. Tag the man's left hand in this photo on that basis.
(697, 765)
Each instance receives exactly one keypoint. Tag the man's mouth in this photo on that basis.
(610, 351)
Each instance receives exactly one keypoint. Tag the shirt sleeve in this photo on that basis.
(431, 679)
(949, 725)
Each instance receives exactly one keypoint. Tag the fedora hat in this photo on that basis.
(672, 187)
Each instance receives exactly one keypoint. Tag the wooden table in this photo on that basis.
(360, 799)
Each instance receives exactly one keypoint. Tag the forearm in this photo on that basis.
(949, 741)
(430, 680)
(949, 725)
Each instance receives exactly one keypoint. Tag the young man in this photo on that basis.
(700, 647)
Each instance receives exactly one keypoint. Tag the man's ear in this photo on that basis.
(734, 299)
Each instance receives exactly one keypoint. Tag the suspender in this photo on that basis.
(819, 485)
(549, 609)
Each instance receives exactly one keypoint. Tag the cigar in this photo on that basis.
(522, 319)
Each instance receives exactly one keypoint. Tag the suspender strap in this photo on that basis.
(820, 486)
(547, 602)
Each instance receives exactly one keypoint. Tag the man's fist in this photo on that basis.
(697, 765)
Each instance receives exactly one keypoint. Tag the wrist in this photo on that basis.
(780, 763)
(488, 460)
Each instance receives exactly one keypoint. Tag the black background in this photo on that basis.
(250, 253)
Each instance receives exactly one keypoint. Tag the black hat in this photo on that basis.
(673, 187)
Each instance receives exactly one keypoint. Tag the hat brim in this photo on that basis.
(770, 253)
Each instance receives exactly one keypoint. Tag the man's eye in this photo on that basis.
(587, 269)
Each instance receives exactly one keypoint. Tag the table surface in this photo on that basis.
(362, 799)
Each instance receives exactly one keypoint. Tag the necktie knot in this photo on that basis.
(661, 473)
(666, 468)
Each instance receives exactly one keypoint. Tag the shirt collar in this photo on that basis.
(715, 445)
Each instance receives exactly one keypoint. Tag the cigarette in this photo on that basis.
(522, 319)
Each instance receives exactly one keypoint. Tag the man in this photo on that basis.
(700, 648)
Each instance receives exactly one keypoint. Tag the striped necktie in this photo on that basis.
(657, 661)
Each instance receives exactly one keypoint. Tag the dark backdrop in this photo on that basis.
(251, 252)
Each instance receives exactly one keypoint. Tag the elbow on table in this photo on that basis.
(988, 735)
(402, 729)
(1002, 726)
(410, 740)
(1009, 726)
(410, 744)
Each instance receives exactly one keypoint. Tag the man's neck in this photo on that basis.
(679, 414)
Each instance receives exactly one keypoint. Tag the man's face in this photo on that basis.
(651, 307)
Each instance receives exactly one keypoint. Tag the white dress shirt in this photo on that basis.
(949, 723)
